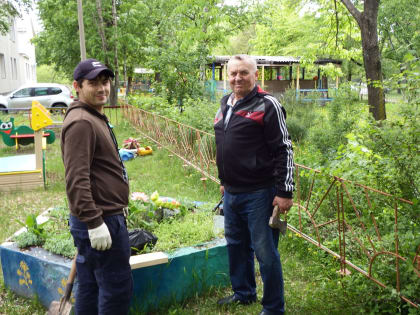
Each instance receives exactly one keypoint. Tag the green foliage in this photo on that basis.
(32, 226)
(198, 113)
(301, 116)
(342, 115)
(399, 38)
(175, 223)
(386, 154)
(181, 42)
(27, 239)
(46, 73)
(60, 244)
(10, 10)
(189, 230)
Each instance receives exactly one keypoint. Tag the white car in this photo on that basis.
(48, 94)
(3, 104)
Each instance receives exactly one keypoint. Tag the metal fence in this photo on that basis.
(363, 228)
(111, 112)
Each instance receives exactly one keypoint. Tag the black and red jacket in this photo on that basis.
(254, 151)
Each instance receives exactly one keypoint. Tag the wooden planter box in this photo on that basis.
(159, 279)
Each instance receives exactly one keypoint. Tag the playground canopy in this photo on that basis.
(284, 72)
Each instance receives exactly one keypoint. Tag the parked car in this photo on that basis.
(3, 104)
(48, 94)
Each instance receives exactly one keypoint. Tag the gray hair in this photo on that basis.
(248, 59)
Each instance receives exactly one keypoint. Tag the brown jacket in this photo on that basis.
(95, 183)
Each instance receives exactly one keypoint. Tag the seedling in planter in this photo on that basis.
(32, 225)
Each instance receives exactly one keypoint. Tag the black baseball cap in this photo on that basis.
(89, 69)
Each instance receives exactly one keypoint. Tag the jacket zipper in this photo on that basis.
(224, 134)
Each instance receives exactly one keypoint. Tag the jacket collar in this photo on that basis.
(250, 95)
(79, 104)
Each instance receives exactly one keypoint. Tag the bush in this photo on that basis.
(198, 113)
(342, 116)
(27, 239)
(60, 244)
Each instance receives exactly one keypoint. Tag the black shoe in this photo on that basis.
(264, 312)
(232, 299)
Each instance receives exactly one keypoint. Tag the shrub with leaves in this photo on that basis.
(27, 239)
(60, 244)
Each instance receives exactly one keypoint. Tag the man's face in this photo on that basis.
(241, 77)
(94, 92)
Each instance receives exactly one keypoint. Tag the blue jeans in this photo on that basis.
(247, 232)
(105, 282)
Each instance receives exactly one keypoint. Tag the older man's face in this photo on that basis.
(242, 77)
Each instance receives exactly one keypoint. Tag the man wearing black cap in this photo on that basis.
(97, 191)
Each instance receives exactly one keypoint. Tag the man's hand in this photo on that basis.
(284, 204)
(222, 190)
(100, 238)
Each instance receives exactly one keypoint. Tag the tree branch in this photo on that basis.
(356, 62)
(353, 10)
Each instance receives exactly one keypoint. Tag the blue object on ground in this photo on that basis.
(126, 155)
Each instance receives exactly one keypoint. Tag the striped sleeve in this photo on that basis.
(280, 144)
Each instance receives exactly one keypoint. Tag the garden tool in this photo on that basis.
(218, 206)
(64, 306)
(276, 223)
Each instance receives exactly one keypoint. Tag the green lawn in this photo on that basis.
(312, 284)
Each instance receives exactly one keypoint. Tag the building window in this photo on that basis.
(14, 68)
(12, 30)
(28, 71)
(2, 67)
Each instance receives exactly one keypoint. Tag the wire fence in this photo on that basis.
(370, 231)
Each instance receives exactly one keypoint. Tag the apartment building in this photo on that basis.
(17, 55)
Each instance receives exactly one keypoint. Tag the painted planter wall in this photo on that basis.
(189, 271)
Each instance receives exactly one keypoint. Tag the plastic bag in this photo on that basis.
(126, 155)
(139, 239)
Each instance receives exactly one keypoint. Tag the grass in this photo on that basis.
(312, 284)
(160, 171)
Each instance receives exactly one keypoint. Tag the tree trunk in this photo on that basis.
(368, 24)
(101, 30)
(372, 60)
(129, 83)
(114, 96)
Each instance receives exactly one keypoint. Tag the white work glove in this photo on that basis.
(100, 238)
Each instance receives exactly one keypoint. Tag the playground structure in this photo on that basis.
(279, 73)
(22, 172)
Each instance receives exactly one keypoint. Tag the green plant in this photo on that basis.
(35, 234)
(27, 239)
(60, 244)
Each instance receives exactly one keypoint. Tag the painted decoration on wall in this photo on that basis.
(24, 275)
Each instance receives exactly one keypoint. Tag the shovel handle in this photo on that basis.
(70, 280)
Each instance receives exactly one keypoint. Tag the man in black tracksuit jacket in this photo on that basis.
(255, 165)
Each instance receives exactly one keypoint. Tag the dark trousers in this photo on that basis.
(247, 234)
(105, 283)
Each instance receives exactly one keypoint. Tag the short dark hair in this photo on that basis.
(80, 81)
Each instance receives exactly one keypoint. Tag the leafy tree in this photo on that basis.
(310, 30)
(398, 24)
(368, 23)
(58, 43)
(182, 37)
(9, 10)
